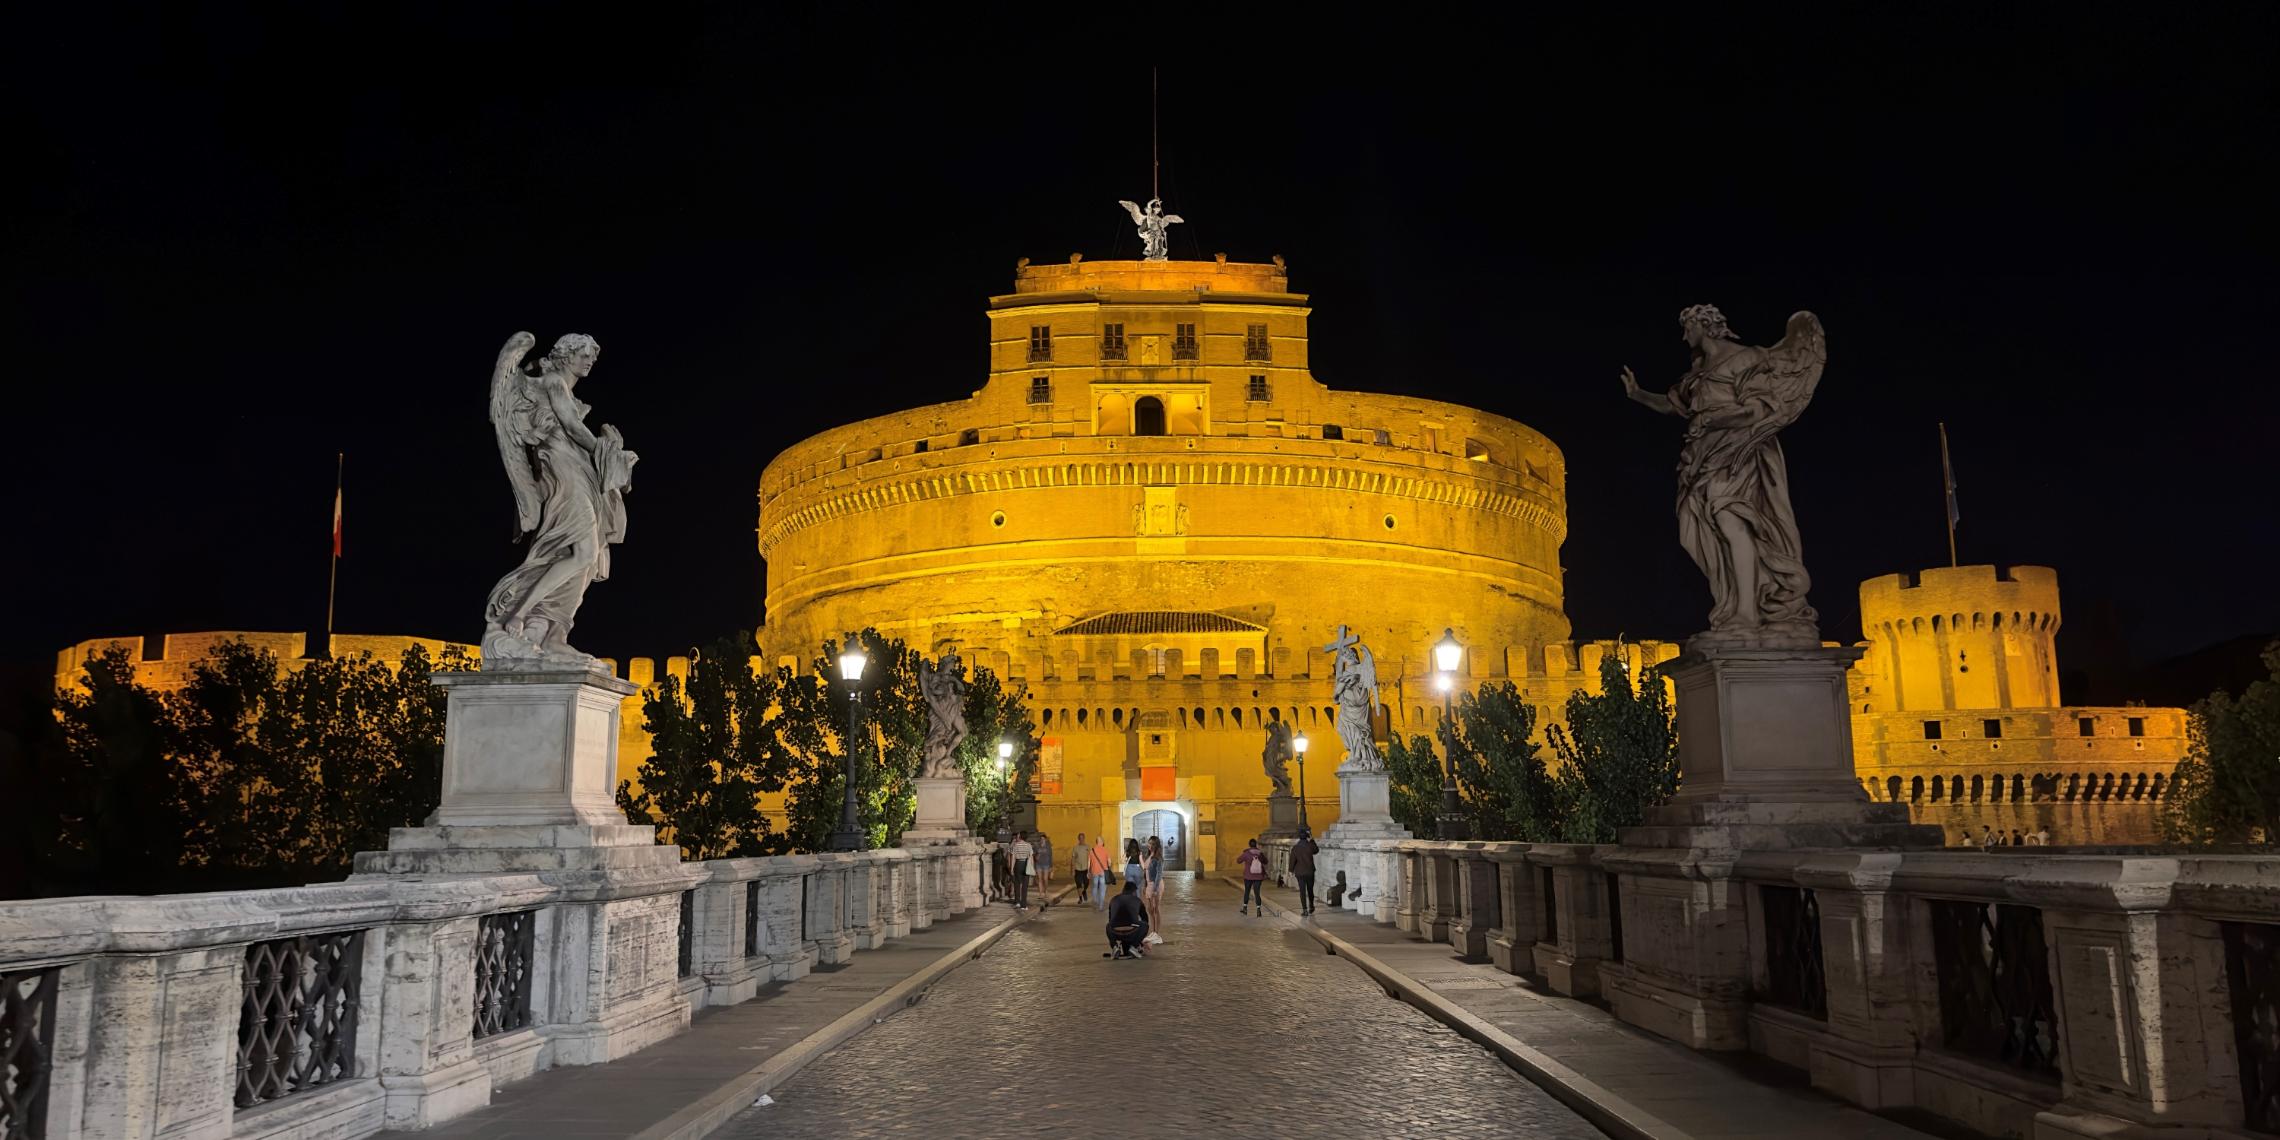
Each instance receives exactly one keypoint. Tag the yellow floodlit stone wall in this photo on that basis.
(1956, 713)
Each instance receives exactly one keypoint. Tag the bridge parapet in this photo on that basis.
(2030, 991)
(396, 1002)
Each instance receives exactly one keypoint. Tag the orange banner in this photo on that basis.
(1159, 783)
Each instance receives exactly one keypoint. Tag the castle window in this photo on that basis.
(1931, 730)
(1147, 416)
(1183, 342)
(1040, 342)
(1991, 729)
(2087, 726)
(969, 437)
(1040, 390)
(1256, 392)
(1112, 342)
(1476, 451)
(919, 448)
(1255, 343)
(1333, 431)
(2137, 726)
(1381, 437)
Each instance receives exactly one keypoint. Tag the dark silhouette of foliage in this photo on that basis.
(714, 750)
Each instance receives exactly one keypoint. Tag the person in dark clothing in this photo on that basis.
(1302, 865)
(1127, 924)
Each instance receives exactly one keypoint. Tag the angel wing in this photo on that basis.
(1139, 216)
(1170, 218)
(506, 395)
(1792, 370)
(1368, 670)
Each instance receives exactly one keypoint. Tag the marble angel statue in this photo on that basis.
(1734, 517)
(1354, 690)
(944, 687)
(1153, 221)
(1278, 756)
(569, 486)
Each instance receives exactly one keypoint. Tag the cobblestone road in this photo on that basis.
(1239, 1027)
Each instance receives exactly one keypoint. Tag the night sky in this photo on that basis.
(242, 243)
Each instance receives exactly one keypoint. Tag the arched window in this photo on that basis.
(1147, 416)
(1892, 789)
(1915, 789)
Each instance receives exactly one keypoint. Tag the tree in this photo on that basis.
(713, 752)
(112, 815)
(1618, 754)
(813, 732)
(994, 713)
(1413, 783)
(1498, 766)
(2227, 788)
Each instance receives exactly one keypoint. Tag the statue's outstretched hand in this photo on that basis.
(1630, 383)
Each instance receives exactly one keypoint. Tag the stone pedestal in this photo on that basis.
(1765, 759)
(1282, 817)
(529, 785)
(941, 811)
(1364, 843)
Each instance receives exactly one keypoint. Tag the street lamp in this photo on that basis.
(1298, 745)
(1447, 655)
(850, 835)
(1005, 785)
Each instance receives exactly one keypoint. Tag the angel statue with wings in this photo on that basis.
(1152, 221)
(944, 686)
(569, 486)
(1278, 756)
(1734, 517)
(1354, 690)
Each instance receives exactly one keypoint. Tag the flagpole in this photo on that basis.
(1947, 478)
(332, 588)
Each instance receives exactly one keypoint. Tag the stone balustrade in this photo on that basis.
(2024, 992)
(342, 1009)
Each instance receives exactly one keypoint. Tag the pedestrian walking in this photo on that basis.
(1097, 867)
(1152, 885)
(1022, 854)
(1043, 867)
(1302, 865)
(1254, 878)
(1001, 873)
(1080, 873)
(1132, 855)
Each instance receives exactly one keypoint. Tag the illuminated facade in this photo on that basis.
(1957, 713)
(1153, 517)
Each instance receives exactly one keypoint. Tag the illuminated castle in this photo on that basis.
(1152, 517)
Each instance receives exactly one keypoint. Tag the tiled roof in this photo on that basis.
(1157, 621)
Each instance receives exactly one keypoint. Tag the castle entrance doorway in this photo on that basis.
(1169, 826)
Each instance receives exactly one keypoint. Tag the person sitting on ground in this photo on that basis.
(1127, 924)
(1337, 891)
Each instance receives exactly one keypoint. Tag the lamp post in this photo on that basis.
(1298, 745)
(850, 835)
(1447, 655)
(1005, 787)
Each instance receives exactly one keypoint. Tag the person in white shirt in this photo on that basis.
(1022, 854)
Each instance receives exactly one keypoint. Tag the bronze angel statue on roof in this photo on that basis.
(1153, 221)
(569, 485)
(1734, 517)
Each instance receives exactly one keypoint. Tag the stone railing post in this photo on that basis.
(897, 872)
(784, 949)
(866, 925)
(1686, 964)
(1438, 909)
(1512, 945)
(827, 932)
(1862, 1049)
(1585, 934)
(1478, 910)
(428, 1066)
(717, 949)
(1409, 904)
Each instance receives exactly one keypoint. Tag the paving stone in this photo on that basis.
(1239, 1027)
